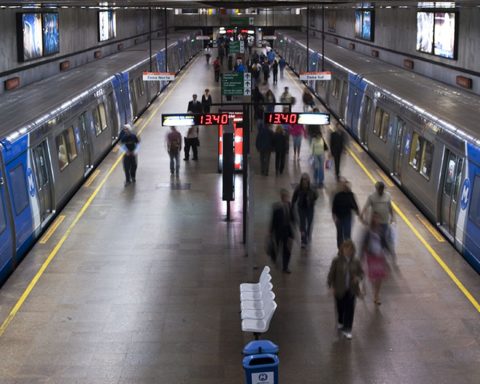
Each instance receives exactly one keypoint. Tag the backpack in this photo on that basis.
(174, 146)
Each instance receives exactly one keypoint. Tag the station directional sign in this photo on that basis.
(237, 84)
(158, 76)
(306, 76)
(237, 47)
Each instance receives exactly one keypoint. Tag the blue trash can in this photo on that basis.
(260, 346)
(261, 368)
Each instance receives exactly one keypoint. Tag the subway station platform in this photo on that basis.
(142, 282)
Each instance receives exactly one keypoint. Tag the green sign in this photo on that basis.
(232, 84)
(240, 21)
(237, 47)
(237, 84)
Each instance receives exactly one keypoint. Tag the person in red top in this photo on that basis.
(174, 146)
(216, 68)
(297, 131)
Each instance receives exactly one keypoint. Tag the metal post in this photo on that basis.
(323, 38)
(150, 35)
(246, 150)
(308, 37)
(166, 40)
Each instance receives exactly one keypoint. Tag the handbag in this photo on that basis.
(328, 164)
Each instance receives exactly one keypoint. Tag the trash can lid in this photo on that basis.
(265, 360)
(260, 346)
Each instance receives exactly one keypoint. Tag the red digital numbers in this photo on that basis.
(212, 119)
(281, 118)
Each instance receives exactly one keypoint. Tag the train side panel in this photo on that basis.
(6, 228)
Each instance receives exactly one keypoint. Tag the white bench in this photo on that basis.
(257, 304)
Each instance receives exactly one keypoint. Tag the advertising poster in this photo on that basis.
(367, 25)
(425, 31)
(106, 25)
(444, 38)
(32, 36)
(51, 43)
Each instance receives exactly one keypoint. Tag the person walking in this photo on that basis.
(191, 141)
(313, 130)
(344, 203)
(380, 202)
(318, 148)
(344, 279)
(307, 99)
(221, 53)
(270, 101)
(280, 145)
(264, 144)
(129, 143)
(216, 69)
(194, 106)
(208, 54)
(266, 71)
(374, 248)
(303, 200)
(174, 146)
(281, 65)
(281, 230)
(206, 101)
(337, 148)
(275, 71)
(287, 98)
(297, 131)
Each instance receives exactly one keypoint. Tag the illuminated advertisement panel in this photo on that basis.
(425, 31)
(51, 42)
(107, 28)
(32, 35)
(444, 36)
(364, 23)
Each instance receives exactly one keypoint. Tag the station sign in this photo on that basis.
(237, 84)
(269, 37)
(307, 76)
(158, 76)
(237, 47)
(202, 37)
(308, 118)
(178, 119)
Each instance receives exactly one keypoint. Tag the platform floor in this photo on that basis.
(144, 287)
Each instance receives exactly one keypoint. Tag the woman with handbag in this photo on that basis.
(344, 279)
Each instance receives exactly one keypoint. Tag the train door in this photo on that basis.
(343, 100)
(44, 182)
(86, 145)
(452, 175)
(366, 116)
(6, 234)
(398, 150)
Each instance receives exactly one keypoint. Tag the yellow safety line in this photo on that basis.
(92, 178)
(429, 248)
(70, 228)
(431, 229)
(51, 230)
(385, 178)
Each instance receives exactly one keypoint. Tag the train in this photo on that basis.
(422, 132)
(55, 132)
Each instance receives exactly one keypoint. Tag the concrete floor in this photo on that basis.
(145, 288)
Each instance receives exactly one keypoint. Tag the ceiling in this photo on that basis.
(233, 3)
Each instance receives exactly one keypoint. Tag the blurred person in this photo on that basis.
(266, 71)
(264, 144)
(271, 100)
(216, 69)
(275, 71)
(280, 144)
(318, 149)
(174, 146)
(191, 141)
(208, 54)
(206, 101)
(281, 65)
(281, 230)
(374, 248)
(380, 202)
(307, 99)
(303, 200)
(344, 203)
(337, 148)
(313, 130)
(287, 98)
(129, 143)
(221, 52)
(297, 131)
(344, 279)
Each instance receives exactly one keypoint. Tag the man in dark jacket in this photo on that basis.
(194, 106)
(281, 228)
(129, 142)
(337, 146)
(264, 144)
(344, 203)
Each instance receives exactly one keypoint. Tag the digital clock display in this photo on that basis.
(313, 118)
(212, 119)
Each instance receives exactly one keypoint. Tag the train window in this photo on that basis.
(62, 151)
(3, 220)
(19, 188)
(427, 159)
(416, 151)
(474, 212)
(140, 85)
(336, 87)
(384, 127)
(103, 116)
(71, 145)
(96, 121)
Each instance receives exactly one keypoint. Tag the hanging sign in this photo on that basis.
(158, 76)
(268, 37)
(306, 76)
(201, 37)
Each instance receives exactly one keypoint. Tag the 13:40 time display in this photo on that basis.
(211, 119)
(281, 118)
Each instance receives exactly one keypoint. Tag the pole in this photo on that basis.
(246, 149)
(166, 40)
(323, 38)
(308, 37)
(150, 35)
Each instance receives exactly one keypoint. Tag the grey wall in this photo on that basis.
(78, 32)
(280, 18)
(396, 30)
